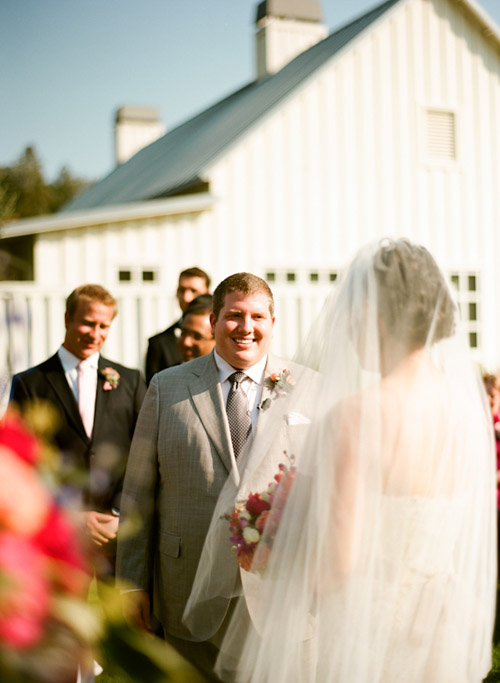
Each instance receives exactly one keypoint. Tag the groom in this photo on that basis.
(184, 448)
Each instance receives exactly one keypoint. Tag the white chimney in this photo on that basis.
(285, 28)
(135, 128)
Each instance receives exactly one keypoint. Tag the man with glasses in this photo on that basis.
(196, 338)
(162, 347)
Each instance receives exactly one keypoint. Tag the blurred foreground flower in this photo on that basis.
(48, 628)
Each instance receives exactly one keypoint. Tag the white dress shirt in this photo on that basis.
(252, 385)
(70, 366)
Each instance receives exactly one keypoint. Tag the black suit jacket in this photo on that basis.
(162, 351)
(96, 464)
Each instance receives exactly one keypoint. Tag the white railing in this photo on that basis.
(32, 322)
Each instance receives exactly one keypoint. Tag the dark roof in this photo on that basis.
(176, 161)
(306, 10)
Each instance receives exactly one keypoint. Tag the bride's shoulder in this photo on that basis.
(346, 413)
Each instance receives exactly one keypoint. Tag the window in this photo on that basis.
(301, 277)
(467, 287)
(136, 275)
(440, 135)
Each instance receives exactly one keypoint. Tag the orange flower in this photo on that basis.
(24, 502)
(261, 521)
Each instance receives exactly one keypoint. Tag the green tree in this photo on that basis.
(24, 191)
(65, 188)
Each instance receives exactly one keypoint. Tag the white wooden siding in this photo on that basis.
(341, 162)
(344, 160)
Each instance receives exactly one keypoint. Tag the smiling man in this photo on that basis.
(183, 450)
(196, 338)
(96, 402)
(163, 348)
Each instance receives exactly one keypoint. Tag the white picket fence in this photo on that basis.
(32, 323)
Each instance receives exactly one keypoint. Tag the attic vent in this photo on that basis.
(441, 139)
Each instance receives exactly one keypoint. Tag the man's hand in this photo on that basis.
(136, 609)
(100, 526)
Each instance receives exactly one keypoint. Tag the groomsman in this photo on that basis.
(184, 448)
(162, 347)
(96, 403)
(195, 336)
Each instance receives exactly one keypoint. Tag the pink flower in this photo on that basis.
(24, 599)
(111, 378)
(24, 502)
(280, 383)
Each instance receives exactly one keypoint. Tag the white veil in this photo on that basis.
(383, 568)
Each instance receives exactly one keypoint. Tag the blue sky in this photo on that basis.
(67, 65)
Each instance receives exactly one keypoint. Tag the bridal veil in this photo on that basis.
(383, 567)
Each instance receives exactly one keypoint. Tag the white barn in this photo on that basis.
(388, 126)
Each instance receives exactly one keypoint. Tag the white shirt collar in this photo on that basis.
(69, 361)
(255, 373)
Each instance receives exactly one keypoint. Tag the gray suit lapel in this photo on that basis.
(268, 422)
(206, 393)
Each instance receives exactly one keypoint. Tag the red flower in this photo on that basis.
(58, 540)
(24, 600)
(15, 436)
(256, 505)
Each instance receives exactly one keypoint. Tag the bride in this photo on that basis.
(383, 566)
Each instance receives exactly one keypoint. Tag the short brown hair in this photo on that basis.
(246, 283)
(89, 293)
(196, 272)
(202, 305)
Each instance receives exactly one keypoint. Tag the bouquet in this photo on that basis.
(254, 522)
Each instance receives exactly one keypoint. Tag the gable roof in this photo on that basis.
(177, 160)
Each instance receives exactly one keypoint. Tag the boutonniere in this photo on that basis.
(111, 378)
(279, 383)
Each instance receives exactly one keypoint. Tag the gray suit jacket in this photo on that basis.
(180, 458)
